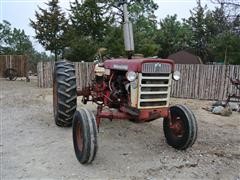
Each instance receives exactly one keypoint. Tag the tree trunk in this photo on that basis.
(63, 53)
(55, 54)
(225, 57)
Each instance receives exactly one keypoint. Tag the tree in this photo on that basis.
(216, 22)
(90, 19)
(226, 48)
(227, 2)
(142, 8)
(13, 41)
(98, 24)
(81, 49)
(231, 10)
(5, 34)
(36, 57)
(90, 22)
(224, 37)
(173, 36)
(114, 41)
(232, 7)
(145, 32)
(200, 38)
(21, 42)
(141, 13)
(137, 8)
(50, 27)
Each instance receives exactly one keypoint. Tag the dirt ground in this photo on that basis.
(33, 147)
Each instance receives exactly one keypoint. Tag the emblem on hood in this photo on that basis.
(157, 67)
(120, 67)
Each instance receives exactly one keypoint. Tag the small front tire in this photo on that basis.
(180, 129)
(85, 136)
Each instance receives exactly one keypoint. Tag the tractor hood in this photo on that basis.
(133, 64)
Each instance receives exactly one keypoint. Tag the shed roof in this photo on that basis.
(184, 57)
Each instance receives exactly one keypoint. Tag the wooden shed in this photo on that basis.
(184, 57)
(17, 62)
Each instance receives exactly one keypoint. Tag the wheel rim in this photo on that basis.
(79, 138)
(177, 126)
(11, 74)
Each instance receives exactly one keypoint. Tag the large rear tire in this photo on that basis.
(181, 129)
(85, 136)
(64, 93)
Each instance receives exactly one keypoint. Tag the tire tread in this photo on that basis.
(89, 130)
(192, 129)
(64, 74)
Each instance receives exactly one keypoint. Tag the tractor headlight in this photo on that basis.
(176, 75)
(131, 76)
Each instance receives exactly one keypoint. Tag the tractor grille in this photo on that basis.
(154, 89)
(156, 68)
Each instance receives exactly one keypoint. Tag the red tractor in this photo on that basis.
(139, 89)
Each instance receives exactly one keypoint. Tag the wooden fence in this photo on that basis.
(45, 71)
(207, 82)
(18, 62)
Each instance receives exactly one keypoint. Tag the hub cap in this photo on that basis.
(177, 126)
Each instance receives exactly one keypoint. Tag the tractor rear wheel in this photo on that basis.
(84, 136)
(180, 129)
(64, 93)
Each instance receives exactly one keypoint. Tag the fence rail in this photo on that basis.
(17, 62)
(207, 82)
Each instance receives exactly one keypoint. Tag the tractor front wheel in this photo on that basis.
(180, 129)
(84, 136)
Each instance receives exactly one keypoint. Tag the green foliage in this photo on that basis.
(13, 41)
(142, 8)
(145, 32)
(216, 22)
(173, 36)
(93, 24)
(89, 19)
(137, 9)
(88, 29)
(226, 48)
(5, 34)
(36, 57)
(215, 34)
(224, 36)
(81, 49)
(50, 27)
(198, 24)
(114, 41)
(141, 13)
(231, 7)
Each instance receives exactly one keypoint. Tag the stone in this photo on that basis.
(217, 109)
(223, 111)
(233, 106)
(226, 111)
